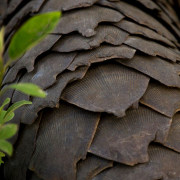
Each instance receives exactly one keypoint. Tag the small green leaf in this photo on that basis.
(7, 131)
(32, 32)
(1, 41)
(6, 101)
(1, 156)
(29, 89)
(9, 116)
(2, 114)
(6, 147)
(14, 107)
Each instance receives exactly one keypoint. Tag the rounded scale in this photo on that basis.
(109, 87)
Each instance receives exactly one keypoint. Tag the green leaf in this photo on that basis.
(6, 147)
(29, 89)
(1, 156)
(32, 32)
(2, 114)
(13, 108)
(6, 101)
(7, 131)
(9, 116)
(1, 41)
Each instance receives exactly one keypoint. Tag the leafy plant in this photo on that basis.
(30, 34)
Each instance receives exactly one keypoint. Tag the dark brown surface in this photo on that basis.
(86, 20)
(137, 29)
(152, 48)
(126, 140)
(72, 130)
(173, 139)
(162, 99)
(100, 54)
(163, 164)
(108, 88)
(49, 67)
(53, 63)
(159, 69)
(91, 166)
(109, 34)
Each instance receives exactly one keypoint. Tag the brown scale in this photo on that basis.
(152, 48)
(161, 14)
(173, 139)
(159, 69)
(140, 17)
(126, 140)
(169, 11)
(13, 4)
(100, 54)
(108, 34)
(28, 59)
(147, 3)
(31, 7)
(137, 29)
(72, 130)
(86, 20)
(27, 114)
(49, 67)
(163, 164)
(108, 88)
(161, 98)
(40, 77)
(91, 166)
(17, 166)
(56, 5)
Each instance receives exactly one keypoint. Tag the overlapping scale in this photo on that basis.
(100, 54)
(56, 5)
(86, 20)
(173, 139)
(161, 98)
(163, 164)
(109, 34)
(64, 136)
(91, 166)
(157, 68)
(92, 63)
(137, 29)
(126, 140)
(108, 88)
(140, 17)
(152, 48)
(29, 113)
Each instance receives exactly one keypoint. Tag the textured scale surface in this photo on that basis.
(111, 71)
